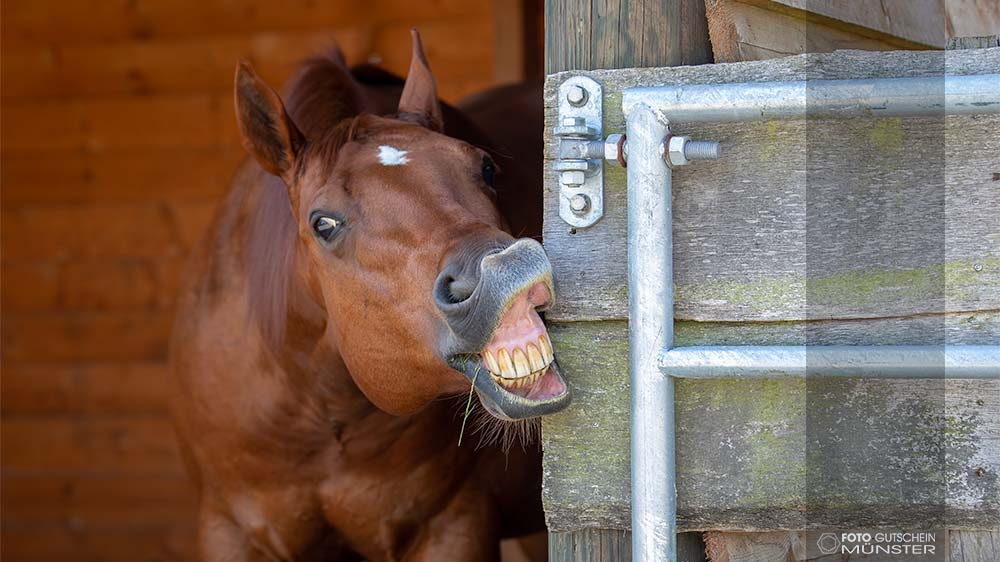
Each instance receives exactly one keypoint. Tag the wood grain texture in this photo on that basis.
(31, 22)
(117, 139)
(972, 17)
(919, 22)
(799, 546)
(974, 42)
(624, 33)
(783, 454)
(744, 30)
(804, 219)
(611, 545)
(975, 546)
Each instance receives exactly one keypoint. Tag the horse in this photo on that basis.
(357, 286)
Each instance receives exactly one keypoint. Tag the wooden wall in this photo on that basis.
(804, 232)
(118, 137)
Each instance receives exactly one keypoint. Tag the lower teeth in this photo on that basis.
(518, 382)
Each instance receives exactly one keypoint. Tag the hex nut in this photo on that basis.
(572, 177)
(675, 150)
(613, 148)
(576, 95)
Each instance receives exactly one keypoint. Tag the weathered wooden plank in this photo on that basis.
(919, 22)
(975, 546)
(612, 545)
(775, 454)
(972, 17)
(723, 546)
(803, 219)
(623, 33)
(974, 42)
(800, 546)
(742, 30)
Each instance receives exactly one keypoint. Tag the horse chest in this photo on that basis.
(378, 493)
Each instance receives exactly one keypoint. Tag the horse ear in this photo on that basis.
(419, 100)
(267, 131)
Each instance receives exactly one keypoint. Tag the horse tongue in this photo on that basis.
(546, 387)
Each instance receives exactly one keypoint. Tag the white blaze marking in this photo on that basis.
(391, 156)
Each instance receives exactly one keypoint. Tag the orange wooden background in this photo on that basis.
(118, 137)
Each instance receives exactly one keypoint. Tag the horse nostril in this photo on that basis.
(452, 290)
(460, 290)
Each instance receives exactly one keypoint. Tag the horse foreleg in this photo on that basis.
(466, 530)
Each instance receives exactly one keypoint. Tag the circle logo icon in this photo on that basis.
(828, 543)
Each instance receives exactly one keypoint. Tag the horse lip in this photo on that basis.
(504, 404)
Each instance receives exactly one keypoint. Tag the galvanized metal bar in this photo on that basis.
(651, 329)
(653, 364)
(893, 361)
(882, 97)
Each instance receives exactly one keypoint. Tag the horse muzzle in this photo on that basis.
(490, 293)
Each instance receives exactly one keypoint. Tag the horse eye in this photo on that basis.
(326, 227)
(489, 171)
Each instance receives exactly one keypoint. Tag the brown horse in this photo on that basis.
(359, 271)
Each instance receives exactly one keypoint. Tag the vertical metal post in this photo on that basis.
(651, 330)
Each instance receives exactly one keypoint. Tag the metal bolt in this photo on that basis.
(577, 96)
(573, 121)
(978, 267)
(579, 203)
(702, 150)
(681, 150)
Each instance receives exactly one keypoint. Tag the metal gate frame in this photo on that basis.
(653, 361)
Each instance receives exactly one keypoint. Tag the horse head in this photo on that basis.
(401, 245)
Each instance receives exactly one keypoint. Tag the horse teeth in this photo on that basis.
(521, 363)
(535, 358)
(491, 362)
(546, 347)
(506, 367)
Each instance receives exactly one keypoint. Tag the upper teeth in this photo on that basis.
(517, 366)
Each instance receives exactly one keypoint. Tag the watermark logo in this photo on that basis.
(893, 543)
(828, 543)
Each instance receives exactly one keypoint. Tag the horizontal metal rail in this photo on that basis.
(653, 362)
(887, 361)
(883, 97)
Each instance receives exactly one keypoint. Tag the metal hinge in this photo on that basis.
(583, 147)
(581, 173)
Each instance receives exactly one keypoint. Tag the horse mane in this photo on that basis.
(324, 101)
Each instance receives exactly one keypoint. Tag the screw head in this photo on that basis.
(576, 95)
(978, 267)
(579, 203)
